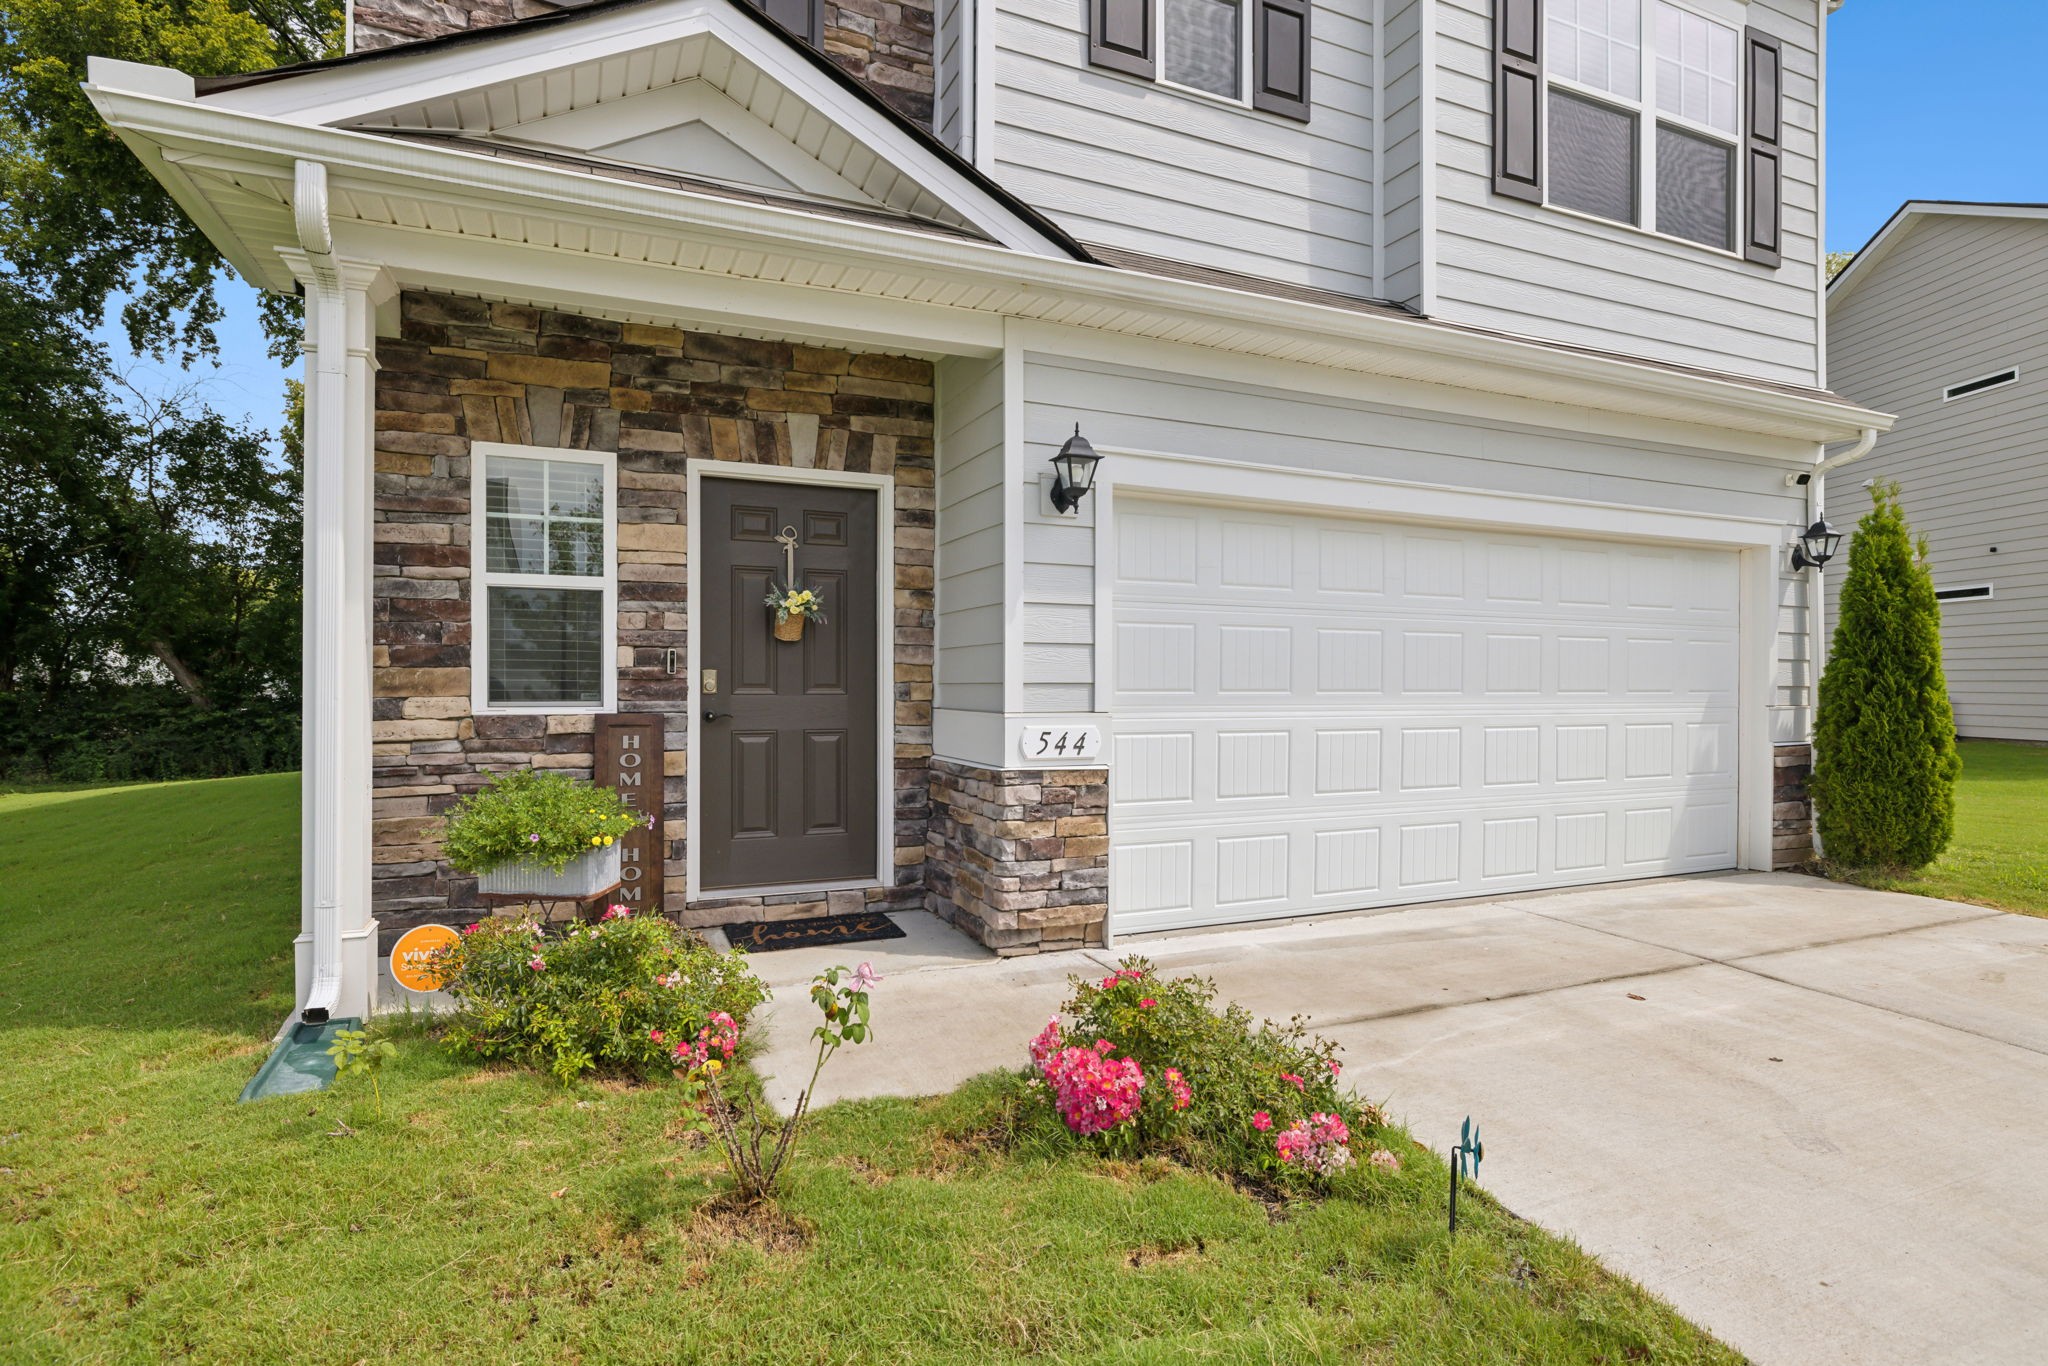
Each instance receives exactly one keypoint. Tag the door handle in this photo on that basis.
(716, 715)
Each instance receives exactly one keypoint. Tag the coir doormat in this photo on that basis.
(768, 936)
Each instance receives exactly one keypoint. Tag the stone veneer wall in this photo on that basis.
(463, 370)
(885, 44)
(1019, 858)
(1791, 807)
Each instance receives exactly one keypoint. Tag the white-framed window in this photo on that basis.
(1644, 119)
(544, 578)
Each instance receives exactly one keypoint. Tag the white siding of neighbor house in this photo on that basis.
(968, 676)
(1198, 417)
(951, 67)
(1532, 270)
(1957, 299)
(1148, 168)
(1402, 140)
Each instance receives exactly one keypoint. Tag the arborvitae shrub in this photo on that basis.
(1885, 760)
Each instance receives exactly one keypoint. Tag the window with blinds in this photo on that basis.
(546, 588)
(1643, 116)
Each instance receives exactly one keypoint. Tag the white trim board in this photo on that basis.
(884, 487)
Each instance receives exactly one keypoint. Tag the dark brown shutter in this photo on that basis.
(1280, 57)
(1763, 162)
(1120, 35)
(1518, 99)
(804, 18)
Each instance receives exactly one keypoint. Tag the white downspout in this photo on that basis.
(326, 563)
(1816, 480)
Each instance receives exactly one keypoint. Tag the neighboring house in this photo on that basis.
(1943, 319)
(1452, 371)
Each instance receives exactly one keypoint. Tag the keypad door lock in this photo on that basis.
(708, 682)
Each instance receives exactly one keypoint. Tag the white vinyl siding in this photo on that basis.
(1957, 299)
(1144, 167)
(953, 70)
(1196, 416)
(968, 672)
(1533, 270)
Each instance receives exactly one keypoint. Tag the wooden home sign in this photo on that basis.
(630, 756)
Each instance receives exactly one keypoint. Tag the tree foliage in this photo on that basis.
(146, 543)
(82, 221)
(1885, 760)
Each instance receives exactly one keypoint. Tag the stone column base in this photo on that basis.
(1791, 807)
(1019, 858)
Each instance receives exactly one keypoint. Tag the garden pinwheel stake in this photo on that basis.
(1469, 1149)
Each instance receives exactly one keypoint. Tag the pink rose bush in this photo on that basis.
(1142, 1063)
(612, 997)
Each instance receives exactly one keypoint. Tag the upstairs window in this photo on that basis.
(1253, 52)
(1644, 112)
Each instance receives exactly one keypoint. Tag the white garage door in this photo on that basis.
(1318, 714)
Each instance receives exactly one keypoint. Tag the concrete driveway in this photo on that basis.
(1812, 1117)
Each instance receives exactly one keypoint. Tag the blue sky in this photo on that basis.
(1919, 109)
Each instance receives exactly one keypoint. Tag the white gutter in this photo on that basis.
(1816, 480)
(326, 400)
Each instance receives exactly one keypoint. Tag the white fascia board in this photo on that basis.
(1411, 348)
(344, 94)
(1901, 225)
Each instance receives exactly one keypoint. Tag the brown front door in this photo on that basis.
(789, 784)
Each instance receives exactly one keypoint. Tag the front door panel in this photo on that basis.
(789, 777)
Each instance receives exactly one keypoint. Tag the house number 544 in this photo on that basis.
(1058, 743)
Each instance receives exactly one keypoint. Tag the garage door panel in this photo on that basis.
(1321, 714)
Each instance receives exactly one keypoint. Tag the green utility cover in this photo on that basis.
(299, 1063)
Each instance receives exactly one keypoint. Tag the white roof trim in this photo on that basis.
(844, 262)
(1900, 226)
(579, 51)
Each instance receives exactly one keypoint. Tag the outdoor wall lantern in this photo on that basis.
(1817, 545)
(1073, 471)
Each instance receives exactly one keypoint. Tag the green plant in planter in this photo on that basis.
(536, 817)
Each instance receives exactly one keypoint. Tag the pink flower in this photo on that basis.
(1147, 1003)
(1319, 1144)
(1335, 1068)
(470, 928)
(537, 963)
(1108, 982)
(616, 912)
(1384, 1160)
(1178, 1086)
(865, 977)
(654, 1036)
(1297, 1081)
(1261, 1120)
(533, 839)
(1047, 1043)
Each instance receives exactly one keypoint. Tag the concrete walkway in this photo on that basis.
(1812, 1117)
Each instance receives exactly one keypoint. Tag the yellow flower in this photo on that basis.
(607, 841)
(595, 840)
(714, 1065)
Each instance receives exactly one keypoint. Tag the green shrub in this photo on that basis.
(1885, 760)
(533, 816)
(1220, 1086)
(619, 996)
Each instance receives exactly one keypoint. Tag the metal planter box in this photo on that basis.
(585, 876)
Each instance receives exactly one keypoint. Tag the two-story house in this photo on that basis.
(1943, 319)
(1454, 369)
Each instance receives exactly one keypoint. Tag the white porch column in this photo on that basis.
(337, 943)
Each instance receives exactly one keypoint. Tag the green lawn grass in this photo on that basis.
(1999, 856)
(492, 1216)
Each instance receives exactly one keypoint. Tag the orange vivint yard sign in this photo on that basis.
(413, 957)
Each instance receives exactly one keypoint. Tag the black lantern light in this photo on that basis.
(1073, 471)
(1817, 545)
